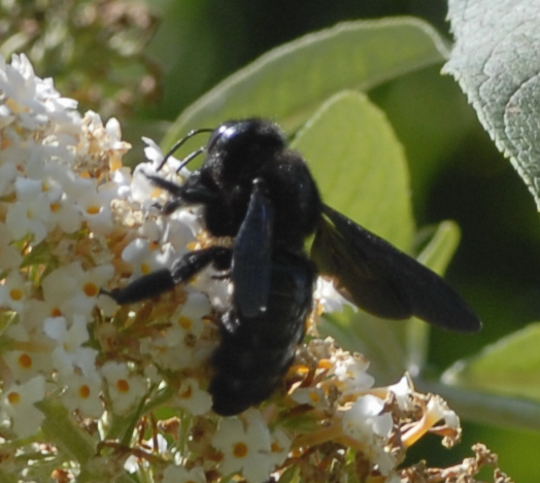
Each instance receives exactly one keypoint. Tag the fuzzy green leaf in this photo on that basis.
(496, 61)
(289, 82)
(359, 165)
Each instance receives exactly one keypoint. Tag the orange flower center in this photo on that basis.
(84, 391)
(240, 450)
(25, 361)
(122, 385)
(14, 398)
(16, 294)
(91, 289)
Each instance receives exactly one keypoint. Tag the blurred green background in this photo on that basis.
(180, 49)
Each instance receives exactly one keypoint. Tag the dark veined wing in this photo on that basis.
(382, 280)
(252, 255)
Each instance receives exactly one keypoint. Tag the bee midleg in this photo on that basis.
(164, 280)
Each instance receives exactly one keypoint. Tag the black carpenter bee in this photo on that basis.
(257, 191)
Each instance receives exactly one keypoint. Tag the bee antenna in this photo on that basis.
(189, 157)
(179, 143)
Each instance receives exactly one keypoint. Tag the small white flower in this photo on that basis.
(179, 474)
(34, 100)
(191, 397)
(246, 447)
(14, 292)
(145, 256)
(351, 371)
(142, 190)
(365, 419)
(403, 391)
(83, 394)
(73, 290)
(69, 352)
(29, 215)
(280, 447)
(153, 153)
(125, 388)
(95, 209)
(314, 396)
(192, 313)
(64, 214)
(366, 423)
(178, 346)
(17, 404)
(170, 349)
(182, 227)
(26, 364)
(329, 298)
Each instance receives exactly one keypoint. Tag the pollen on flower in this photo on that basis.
(55, 207)
(299, 369)
(91, 289)
(93, 209)
(325, 364)
(84, 391)
(25, 361)
(276, 447)
(56, 312)
(122, 385)
(14, 398)
(16, 294)
(240, 450)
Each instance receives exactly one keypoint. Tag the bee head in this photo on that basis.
(242, 147)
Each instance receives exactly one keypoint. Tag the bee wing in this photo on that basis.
(252, 255)
(384, 281)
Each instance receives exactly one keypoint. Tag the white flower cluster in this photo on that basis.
(71, 220)
(80, 372)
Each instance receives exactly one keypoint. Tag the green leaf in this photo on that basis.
(289, 82)
(359, 165)
(511, 366)
(441, 247)
(496, 61)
